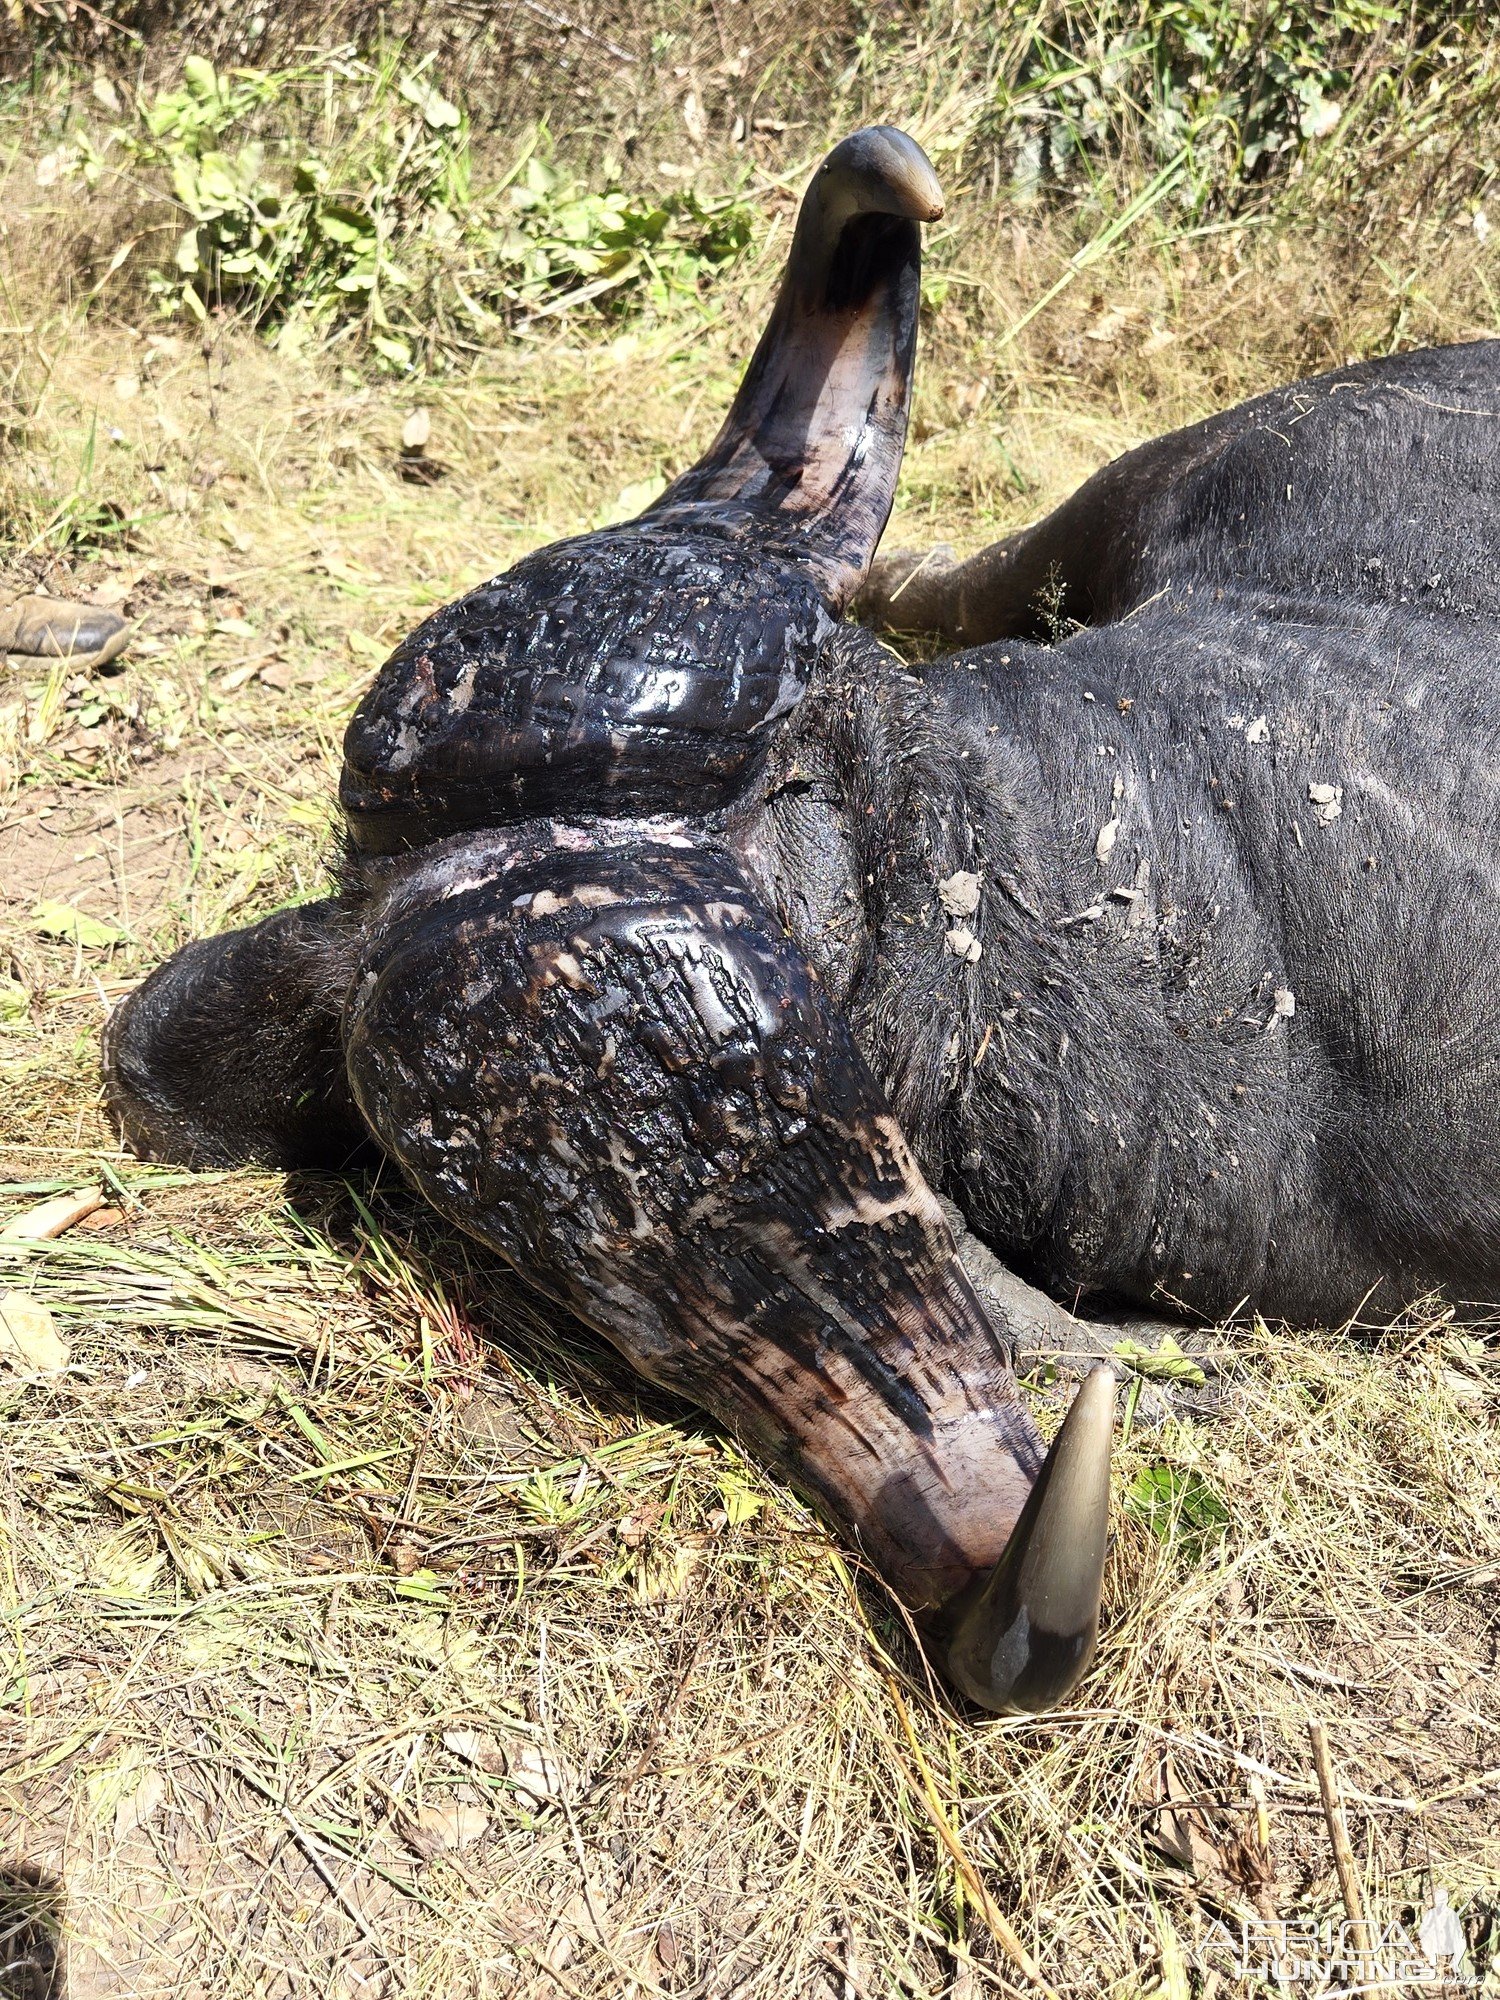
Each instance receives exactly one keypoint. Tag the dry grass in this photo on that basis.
(366, 1631)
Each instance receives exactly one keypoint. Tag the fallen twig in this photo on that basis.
(1343, 1853)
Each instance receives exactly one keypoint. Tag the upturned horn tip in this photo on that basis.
(1023, 1637)
(881, 170)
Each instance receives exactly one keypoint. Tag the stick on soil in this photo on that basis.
(1343, 1853)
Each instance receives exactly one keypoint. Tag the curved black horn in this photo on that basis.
(808, 456)
(1023, 1636)
(641, 668)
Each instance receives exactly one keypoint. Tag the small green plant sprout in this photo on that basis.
(1180, 1508)
(545, 1498)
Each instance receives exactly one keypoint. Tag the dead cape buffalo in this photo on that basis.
(688, 941)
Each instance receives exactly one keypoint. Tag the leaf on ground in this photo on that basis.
(124, 1793)
(1179, 1829)
(660, 1572)
(1191, 1831)
(1163, 1363)
(476, 1747)
(352, 577)
(741, 1502)
(1177, 1506)
(28, 1335)
(73, 926)
(1107, 329)
(430, 1641)
(450, 1826)
(631, 500)
(538, 1776)
(140, 1804)
(425, 1586)
(51, 1218)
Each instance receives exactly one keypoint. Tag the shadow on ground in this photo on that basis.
(31, 1952)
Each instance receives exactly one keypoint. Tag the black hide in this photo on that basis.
(1233, 1036)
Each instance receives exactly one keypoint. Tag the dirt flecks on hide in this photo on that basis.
(1327, 802)
(959, 893)
(963, 944)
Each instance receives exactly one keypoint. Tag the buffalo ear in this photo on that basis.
(807, 460)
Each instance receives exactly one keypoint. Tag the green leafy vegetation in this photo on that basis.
(363, 196)
(1238, 92)
(378, 227)
(1180, 1508)
(1249, 106)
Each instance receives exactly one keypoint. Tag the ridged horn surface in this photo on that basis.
(641, 668)
(808, 455)
(1023, 1636)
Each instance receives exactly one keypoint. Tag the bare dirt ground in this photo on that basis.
(365, 1631)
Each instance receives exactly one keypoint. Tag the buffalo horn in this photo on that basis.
(1023, 1636)
(806, 462)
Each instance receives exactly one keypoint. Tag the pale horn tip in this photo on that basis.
(1023, 1636)
(881, 170)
